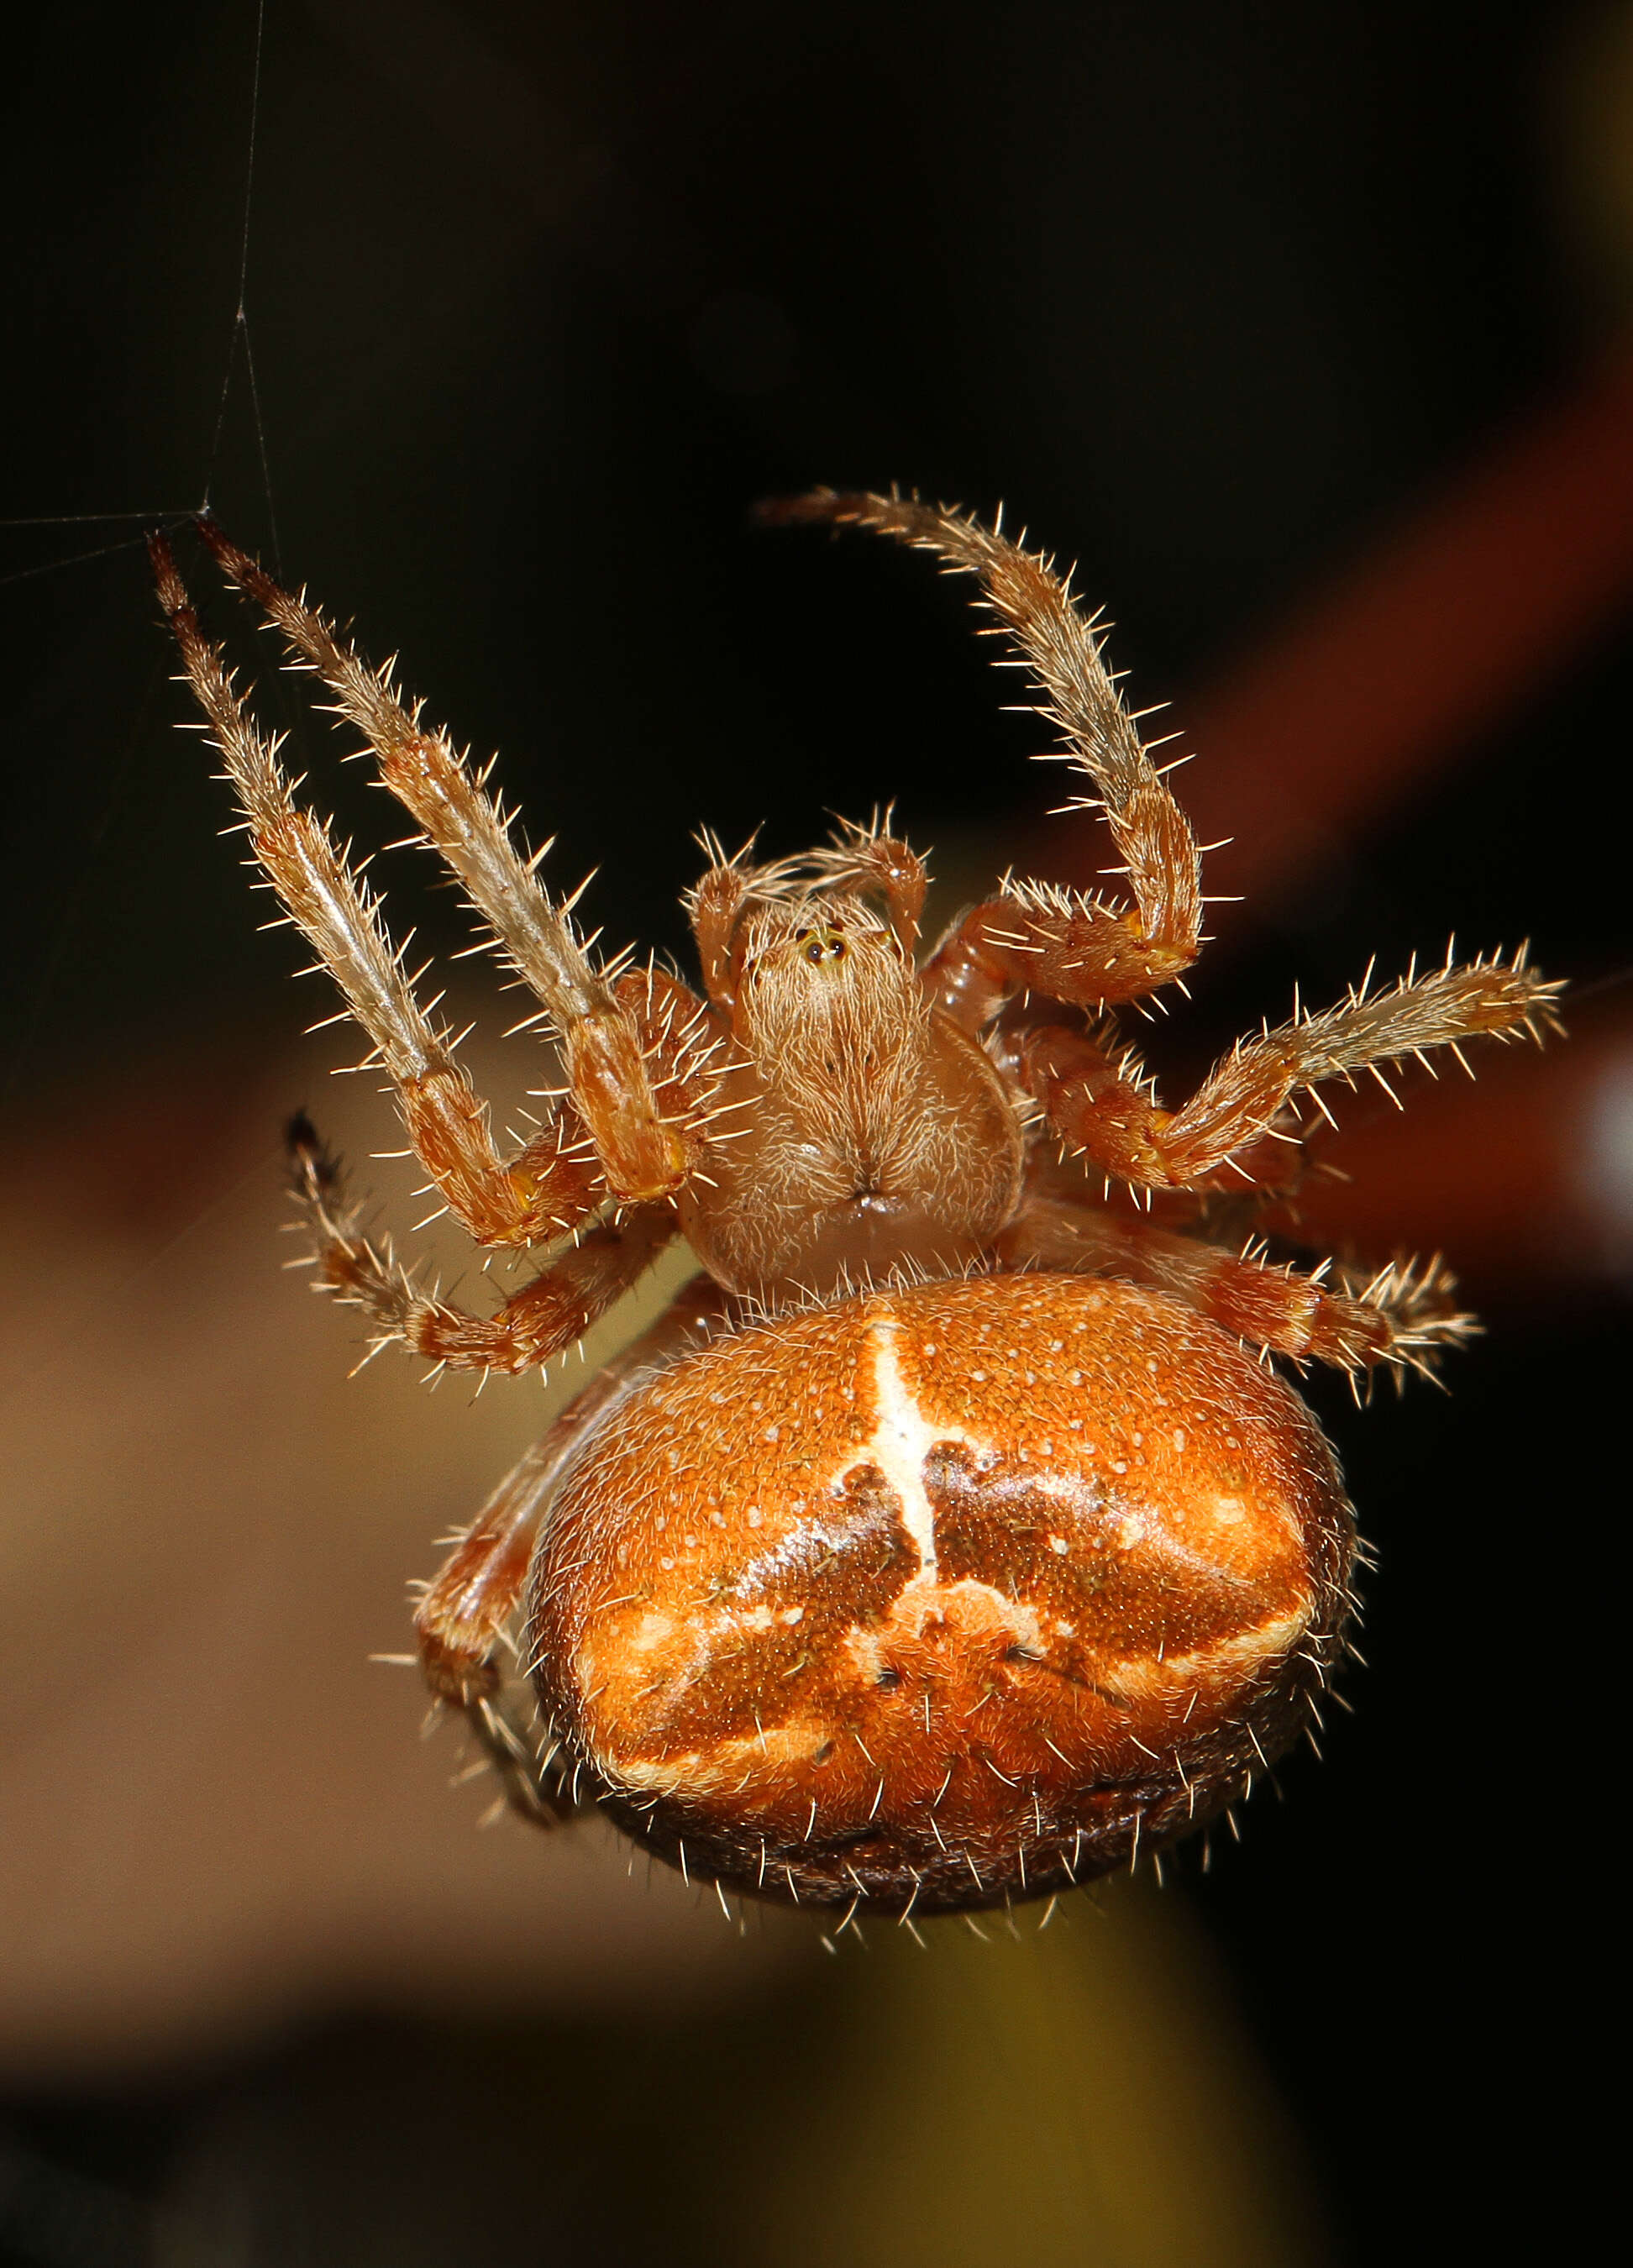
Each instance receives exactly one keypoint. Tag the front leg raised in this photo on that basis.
(1033, 938)
(530, 1198)
(642, 1154)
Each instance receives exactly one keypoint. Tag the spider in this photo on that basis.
(949, 1539)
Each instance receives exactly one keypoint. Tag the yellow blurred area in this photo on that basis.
(1590, 124)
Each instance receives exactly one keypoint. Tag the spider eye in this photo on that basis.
(821, 944)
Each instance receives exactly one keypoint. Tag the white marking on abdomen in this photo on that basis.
(901, 1441)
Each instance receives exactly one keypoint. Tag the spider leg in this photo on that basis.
(713, 907)
(1064, 944)
(464, 1610)
(549, 1186)
(1094, 1107)
(870, 859)
(1031, 938)
(681, 1042)
(1402, 1316)
(1097, 1099)
(642, 1154)
(552, 1311)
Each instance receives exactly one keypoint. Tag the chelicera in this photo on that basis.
(948, 1540)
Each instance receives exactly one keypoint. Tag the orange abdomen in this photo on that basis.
(942, 1596)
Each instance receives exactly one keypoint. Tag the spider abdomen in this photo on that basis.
(941, 1597)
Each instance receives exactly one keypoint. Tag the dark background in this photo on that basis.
(1214, 298)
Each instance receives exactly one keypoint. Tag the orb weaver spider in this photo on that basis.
(948, 1540)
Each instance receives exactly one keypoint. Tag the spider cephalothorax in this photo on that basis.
(946, 1541)
(865, 1132)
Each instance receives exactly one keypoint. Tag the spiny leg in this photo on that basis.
(1068, 946)
(870, 859)
(551, 1312)
(542, 1192)
(1401, 1316)
(1096, 1097)
(643, 1155)
(1037, 937)
(681, 1043)
(1121, 1128)
(464, 1611)
(714, 907)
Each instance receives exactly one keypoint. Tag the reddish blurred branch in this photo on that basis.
(1391, 672)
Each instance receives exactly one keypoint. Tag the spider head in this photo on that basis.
(822, 976)
(870, 1134)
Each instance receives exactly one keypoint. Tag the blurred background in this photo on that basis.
(1304, 331)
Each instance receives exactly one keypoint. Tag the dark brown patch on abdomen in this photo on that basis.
(997, 1523)
(842, 1567)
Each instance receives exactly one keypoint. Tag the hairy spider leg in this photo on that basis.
(465, 1610)
(1401, 1316)
(477, 1589)
(551, 1312)
(870, 859)
(642, 1154)
(1033, 937)
(714, 906)
(1118, 1125)
(548, 1187)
